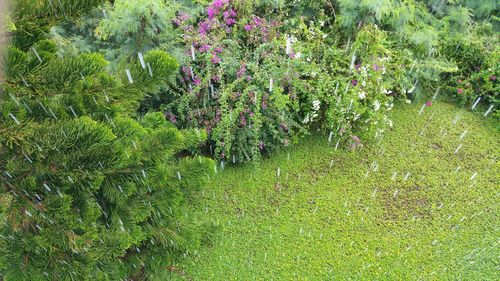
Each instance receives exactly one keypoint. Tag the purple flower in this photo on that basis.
(257, 21)
(243, 121)
(241, 71)
(218, 50)
(230, 21)
(354, 82)
(170, 117)
(204, 48)
(219, 3)
(429, 103)
(215, 59)
(204, 27)
(356, 140)
(261, 145)
(197, 81)
(248, 27)
(181, 18)
(229, 14)
(212, 12)
(493, 78)
(216, 78)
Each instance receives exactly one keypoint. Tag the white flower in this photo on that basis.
(376, 105)
(316, 105)
(390, 123)
(362, 95)
(408, 101)
(298, 55)
(363, 83)
(324, 36)
(322, 23)
(306, 120)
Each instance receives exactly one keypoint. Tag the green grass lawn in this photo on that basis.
(409, 208)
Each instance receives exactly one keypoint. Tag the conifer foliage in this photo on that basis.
(89, 192)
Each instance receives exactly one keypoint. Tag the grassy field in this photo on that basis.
(409, 208)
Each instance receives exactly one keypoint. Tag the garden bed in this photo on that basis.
(408, 208)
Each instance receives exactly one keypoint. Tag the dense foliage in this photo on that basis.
(104, 100)
(88, 191)
(256, 75)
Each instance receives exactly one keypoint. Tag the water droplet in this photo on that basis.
(14, 118)
(490, 109)
(150, 70)
(36, 54)
(476, 103)
(129, 76)
(141, 59)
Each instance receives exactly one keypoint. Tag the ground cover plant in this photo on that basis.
(115, 114)
(411, 207)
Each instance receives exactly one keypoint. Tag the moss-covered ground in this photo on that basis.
(423, 204)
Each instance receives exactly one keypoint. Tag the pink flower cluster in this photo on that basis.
(170, 117)
(260, 27)
(181, 19)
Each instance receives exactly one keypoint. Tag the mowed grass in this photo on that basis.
(408, 208)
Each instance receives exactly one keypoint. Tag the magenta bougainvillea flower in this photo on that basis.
(204, 48)
(215, 59)
(204, 27)
(354, 82)
(241, 72)
(181, 19)
(170, 117)
(212, 12)
(460, 91)
(261, 145)
(429, 103)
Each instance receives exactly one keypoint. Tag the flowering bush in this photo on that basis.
(477, 59)
(242, 83)
(256, 85)
(257, 75)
